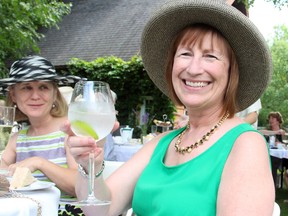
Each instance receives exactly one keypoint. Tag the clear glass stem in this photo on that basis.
(91, 173)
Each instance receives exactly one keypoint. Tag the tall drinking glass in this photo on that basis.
(92, 113)
(7, 116)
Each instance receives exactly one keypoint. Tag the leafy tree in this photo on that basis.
(275, 97)
(19, 24)
(278, 3)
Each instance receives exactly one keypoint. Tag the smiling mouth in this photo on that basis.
(196, 84)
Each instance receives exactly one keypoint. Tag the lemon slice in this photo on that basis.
(81, 127)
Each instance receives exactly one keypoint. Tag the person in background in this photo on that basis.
(273, 135)
(41, 146)
(274, 127)
(207, 57)
(250, 114)
(181, 120)
(66, 92)
(109, 153)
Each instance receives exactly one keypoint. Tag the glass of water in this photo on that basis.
(7, 116)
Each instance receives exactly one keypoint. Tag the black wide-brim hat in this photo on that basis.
(251, 50)
(35, 68)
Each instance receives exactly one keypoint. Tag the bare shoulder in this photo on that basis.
(12, 140)
(249, 153)
(252, 142)
(247, 163)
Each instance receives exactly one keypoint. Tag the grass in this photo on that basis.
(281, 195)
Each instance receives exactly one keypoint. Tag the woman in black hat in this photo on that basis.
(33, 89)
(210, 58)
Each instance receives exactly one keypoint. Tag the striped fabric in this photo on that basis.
(48, 146)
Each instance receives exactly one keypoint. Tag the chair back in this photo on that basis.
(276, 211)
(110, 167)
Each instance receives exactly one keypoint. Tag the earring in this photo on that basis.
(53, 105)
(15, 106)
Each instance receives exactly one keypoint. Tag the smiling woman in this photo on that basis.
(41, 147)
(209, 57)
(200, 49)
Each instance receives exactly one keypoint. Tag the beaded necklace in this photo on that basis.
(188, 149)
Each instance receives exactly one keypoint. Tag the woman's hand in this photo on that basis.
(32, 163)
(80, 147)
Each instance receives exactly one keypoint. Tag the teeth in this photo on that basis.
(196, 84)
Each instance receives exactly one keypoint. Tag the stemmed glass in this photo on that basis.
(7, 116)
(92, 113)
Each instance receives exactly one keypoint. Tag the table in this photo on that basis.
(279, 153)
(123, 152)
(48, 199)
(278, 156)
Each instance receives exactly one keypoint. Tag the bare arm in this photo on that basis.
(9, 155)
(64, 178)
(240, 192)
(270, 132)
(251, 118)
(120, 185)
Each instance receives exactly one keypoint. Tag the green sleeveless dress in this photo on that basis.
(190, 188)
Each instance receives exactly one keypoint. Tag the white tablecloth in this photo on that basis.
(48, 199)
(125, 152)
(279, 153)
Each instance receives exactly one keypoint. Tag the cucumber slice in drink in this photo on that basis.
(82, 128)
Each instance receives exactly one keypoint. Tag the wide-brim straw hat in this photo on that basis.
(35, 68)
(251, 50)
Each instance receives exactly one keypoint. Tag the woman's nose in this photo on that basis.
(35, 94)
(194, 66)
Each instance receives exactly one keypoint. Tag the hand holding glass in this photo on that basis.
(92, 113)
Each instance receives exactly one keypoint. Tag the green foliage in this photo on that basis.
(277, 3)
(19, 24)
(129, 80)
(275, 97)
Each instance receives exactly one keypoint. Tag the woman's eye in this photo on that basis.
(185, 53)
(211, 56)
(26, 87)
(43, 87)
